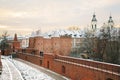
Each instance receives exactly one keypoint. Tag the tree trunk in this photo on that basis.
(3, 52)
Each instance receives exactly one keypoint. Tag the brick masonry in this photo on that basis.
(56, 45)
(16, 43)
(55, 51)
(76, 69)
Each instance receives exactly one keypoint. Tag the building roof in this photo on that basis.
(94, 18)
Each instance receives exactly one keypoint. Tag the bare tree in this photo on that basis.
(108, 47)
(113, 48)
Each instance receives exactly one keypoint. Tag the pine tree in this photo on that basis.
(4, 43)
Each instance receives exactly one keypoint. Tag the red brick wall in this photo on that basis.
(80, 69)
(76, 69)
(39, 44)
(66, 45)
(16, 44)
(96, 64)
(47, 45)
(31, 42)
(73, 71)
(49, 61)
(56, 45)
(31, 58)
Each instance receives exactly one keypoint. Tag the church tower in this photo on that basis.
(110, 22)
(94, 22)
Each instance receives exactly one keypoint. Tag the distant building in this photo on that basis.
(94, 22)
(66, 41)
(110, 22)
(25, 42)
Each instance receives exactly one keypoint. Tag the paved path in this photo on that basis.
(17, 69)
(9, 71)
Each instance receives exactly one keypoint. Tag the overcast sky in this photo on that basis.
(23, 16)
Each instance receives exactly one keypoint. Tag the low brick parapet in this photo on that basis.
(96, 64)
(75, 68)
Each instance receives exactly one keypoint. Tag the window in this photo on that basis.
(95, 26)
(92, 26)
(41, 53)
(63, 69)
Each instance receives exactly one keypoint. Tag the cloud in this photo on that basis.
(29, 14)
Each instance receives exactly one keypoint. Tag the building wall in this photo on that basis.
(56, 45)
(75, 69)
(16, 44)
(38, 44)
(25, 43)
(31, 42)
(47, 45)
(66, 45)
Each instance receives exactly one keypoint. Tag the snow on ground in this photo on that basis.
(16, 70)
(9, 72)
(5, 72)
(30, 73)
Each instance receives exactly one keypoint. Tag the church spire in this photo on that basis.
(15, 43)
(110, 22)
(94, 22)
(15, 37)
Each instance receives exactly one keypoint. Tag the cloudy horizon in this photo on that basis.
(24, 16)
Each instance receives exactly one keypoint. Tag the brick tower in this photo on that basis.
(16, 43)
